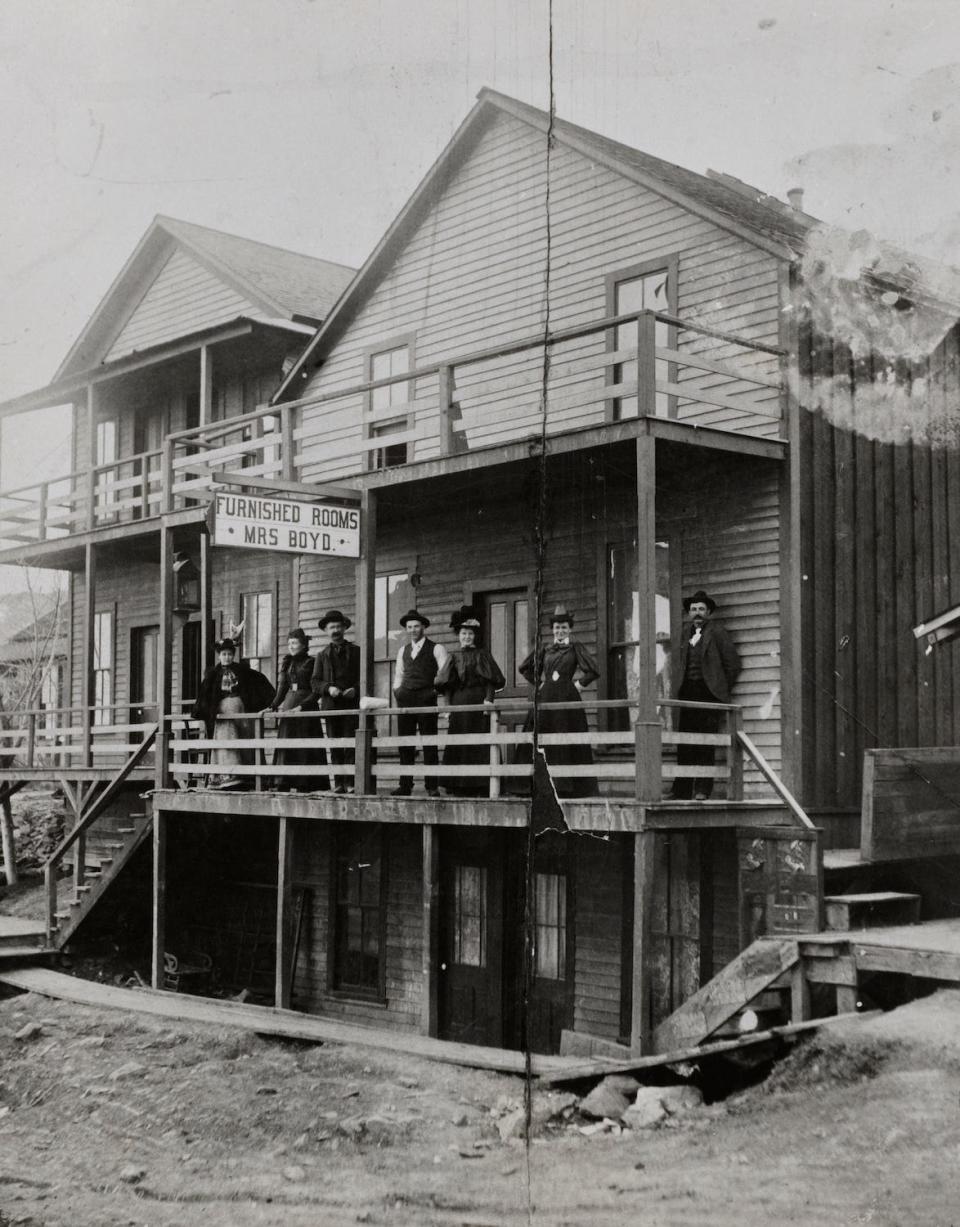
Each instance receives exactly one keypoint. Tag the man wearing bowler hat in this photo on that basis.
(708, 664)
(414, 685)
(336, 684)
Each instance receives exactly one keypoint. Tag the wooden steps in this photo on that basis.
(871, 909)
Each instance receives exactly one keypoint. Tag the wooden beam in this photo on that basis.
(641, 1025)
(206, 384)
(431, 931)
(159, 933)
(165, 652)
(87, 692)
(366, 587)
(206, 600)
(282, 979)
(279, 486)
(648, 779)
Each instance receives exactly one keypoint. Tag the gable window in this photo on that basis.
(359, 947)
(103, 632)
(259, 630)
(383, 364)
(647, 287)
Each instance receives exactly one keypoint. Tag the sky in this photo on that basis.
(307, 123)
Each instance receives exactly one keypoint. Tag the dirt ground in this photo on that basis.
(110, 1119)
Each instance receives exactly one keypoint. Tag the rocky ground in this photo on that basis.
(110, 1119)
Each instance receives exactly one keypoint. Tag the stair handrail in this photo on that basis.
(775, 782)
(86, 821)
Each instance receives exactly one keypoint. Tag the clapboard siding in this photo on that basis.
(878, 556)
(472, 275)
(313, 859)
(599, 931)
(183, 298)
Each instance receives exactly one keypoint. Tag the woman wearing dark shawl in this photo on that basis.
(295, 693)
(229, 688)
(552, 669)
(469, 676)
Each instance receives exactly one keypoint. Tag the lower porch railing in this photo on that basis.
(62, 739)
(630, 758)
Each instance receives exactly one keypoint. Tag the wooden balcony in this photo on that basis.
(698, 384)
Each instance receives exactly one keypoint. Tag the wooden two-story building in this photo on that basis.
(572, 373)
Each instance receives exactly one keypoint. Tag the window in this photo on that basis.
(646, 288)
(106, 454)
(103, 666)
(470, 915)
(550, 921)
(358, 961)
(382, 365)
(623, 626)
(393, 596)
(51, 693)
(259, 630)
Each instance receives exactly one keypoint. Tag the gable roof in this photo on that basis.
(728, 202)
(273, 282)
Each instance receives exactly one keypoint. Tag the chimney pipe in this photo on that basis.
(795, 196)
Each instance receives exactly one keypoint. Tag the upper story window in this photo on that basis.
(393, 594)
(259, 630)
(646, 287)
(624, 645)
(383, 364)
(103, 640)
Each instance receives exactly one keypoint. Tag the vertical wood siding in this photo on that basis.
(472, 276)
(878, 556)
(183, 298)
(599, 911)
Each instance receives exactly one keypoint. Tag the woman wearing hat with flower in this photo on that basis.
(469, 676)
(553, 670)
(294, 694)
(708, 664)
(229, 688)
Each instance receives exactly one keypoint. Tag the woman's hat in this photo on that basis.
(299, 633)
(225, 645)
(466, 615)
(414, 615)
(334, 615)
(561, 614)
(698, 597)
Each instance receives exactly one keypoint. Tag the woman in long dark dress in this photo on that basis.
(469, 676)
(552, 669)
(229, 688)
(295, 693)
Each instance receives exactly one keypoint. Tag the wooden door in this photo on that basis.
(144, 673)
(505, 616)
(469, 990)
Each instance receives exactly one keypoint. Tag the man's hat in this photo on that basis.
(299, 633)
(561, 614)
(334, 615)
(225, 645)
(414, 615)
(466, 615)
(699, 596)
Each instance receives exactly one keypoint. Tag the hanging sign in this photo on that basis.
(285, 524)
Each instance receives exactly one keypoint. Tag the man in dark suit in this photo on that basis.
(336, 684)
(414, 685)
(708, 664)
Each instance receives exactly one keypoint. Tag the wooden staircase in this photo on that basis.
(95, 853)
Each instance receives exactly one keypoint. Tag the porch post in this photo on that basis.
(206, 600)
(431, 924)
(206, 385)
(165, 652)
(648, 785)
(159, 895)
(284, 914)
(91, 482)
(366, 603)
(641, 1029)
(87, 688)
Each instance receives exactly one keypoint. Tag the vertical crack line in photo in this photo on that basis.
(540, 547)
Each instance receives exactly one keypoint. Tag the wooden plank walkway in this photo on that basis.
(268, 1021)
(930, 949)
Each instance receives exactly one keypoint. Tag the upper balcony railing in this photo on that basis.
(635, 365)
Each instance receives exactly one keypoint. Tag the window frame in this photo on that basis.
(610, 540)
(373, 456)
(646, 268)
(103, 715)
(267, 664)
(341, 838)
